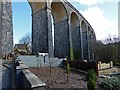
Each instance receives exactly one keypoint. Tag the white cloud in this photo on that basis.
(87, 2)
(101, 24)
(92, 2)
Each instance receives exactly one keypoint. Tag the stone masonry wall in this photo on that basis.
(0, 29)
(76, 43)
(61, 39)
(85, 46)
(6, 28)
(39, 32)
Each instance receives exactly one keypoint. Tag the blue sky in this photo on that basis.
(21, 19)
(102, 15)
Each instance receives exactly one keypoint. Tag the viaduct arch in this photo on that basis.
(73, 35)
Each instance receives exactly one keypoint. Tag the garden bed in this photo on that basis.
(58, 78)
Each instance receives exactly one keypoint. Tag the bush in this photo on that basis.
(68, 70)
(91, 75)
(91, 84)
(91, 78)
(112, 83)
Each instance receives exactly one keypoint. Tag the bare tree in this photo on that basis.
(25, 39)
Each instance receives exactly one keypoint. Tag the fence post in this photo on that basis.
(97, 71)
(111, 64)
(99, 64)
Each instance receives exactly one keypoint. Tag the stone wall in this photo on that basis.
(40, 61)
(0, 29)
(39, 32)
(6, 28)
(76, 43)
(85, 45)
(90, 47)
(28, 80)
(61, 39)
(6, 77)
(42, 28)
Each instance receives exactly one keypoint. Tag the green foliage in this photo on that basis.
(112, 83)
(74, 55)
(91, 84)
(68, 70)
(91, 75)
(107, 52)
(71, 54)
(91, 78)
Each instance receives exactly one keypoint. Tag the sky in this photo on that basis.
(101, 14)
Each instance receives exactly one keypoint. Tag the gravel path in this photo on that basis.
(58, 78)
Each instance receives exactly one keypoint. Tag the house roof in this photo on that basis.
(20, 46)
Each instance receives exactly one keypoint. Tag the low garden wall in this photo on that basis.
(26, 80)
(7, 79)
(40, 61)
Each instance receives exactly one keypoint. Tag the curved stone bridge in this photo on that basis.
(73, 35)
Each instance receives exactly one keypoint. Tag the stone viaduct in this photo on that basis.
(73, 35)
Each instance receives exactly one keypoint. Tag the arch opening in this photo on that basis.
(90, 44)
(76, 37)
(74, 20)
(22, 22)
(61, 34)
(58, 11)
(31, 14)
(93, 39)
(36, 6)
(84, 40)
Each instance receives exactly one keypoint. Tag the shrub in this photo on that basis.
(68, 70)
(91, 78)
(91, 75)
(91, 84)
(112, 83)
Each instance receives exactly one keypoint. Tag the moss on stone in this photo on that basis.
(71, 54)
